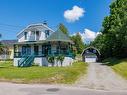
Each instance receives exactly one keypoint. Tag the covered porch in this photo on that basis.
(43, 49)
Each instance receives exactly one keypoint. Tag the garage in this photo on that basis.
(90, 55)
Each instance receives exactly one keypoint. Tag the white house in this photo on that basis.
(37, 41)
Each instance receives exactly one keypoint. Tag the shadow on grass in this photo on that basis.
(2, 67)
(111, 61)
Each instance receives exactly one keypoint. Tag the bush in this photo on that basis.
(51, 59)
(60, 58)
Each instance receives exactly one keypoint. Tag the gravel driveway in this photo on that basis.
(102, 77)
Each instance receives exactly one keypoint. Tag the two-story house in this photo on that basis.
(37, 41)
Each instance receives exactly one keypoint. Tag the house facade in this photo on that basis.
(37, 42)
(7, 51)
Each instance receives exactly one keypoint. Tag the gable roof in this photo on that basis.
(8, 42)
(34, 25)
(91, 47)
(59, 36)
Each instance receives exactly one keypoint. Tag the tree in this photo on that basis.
(112, 42)
(79, 44)
(1, 46)
(63, 28)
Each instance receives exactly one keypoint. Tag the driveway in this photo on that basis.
(102, 77)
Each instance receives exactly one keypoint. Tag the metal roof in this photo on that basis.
(59, 36)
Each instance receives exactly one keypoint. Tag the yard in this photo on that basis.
(119, 66)
(36, 74)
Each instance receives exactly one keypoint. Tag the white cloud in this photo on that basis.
(88, 35)
(74, 14)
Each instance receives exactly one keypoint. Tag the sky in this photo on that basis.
(83, 16)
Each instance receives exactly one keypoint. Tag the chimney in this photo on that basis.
(45, 22)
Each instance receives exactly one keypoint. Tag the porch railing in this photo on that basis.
(66, 53)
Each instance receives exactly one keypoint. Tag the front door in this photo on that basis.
(36, 50)
(46, 49)
(26, 50)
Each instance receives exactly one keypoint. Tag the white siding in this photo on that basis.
(30, 37)
(42, 36)
(42, 61)
(21, 38)
(38, 61)
(15, 63)
(4, 57)
(68, 61)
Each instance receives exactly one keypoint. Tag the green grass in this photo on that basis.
(36, 74)
(119, 66)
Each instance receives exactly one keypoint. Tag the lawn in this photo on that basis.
(119, 66)
(36, 74)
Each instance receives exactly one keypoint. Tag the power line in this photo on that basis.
(3, 30)
(9, 27)
(16, 26)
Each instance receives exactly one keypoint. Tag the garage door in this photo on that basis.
(90, 59)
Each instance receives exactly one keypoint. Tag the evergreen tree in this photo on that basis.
(63, 28)
(78, 43)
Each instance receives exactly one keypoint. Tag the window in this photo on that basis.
(32, 32)
(37, 33)
(46, 33)
(25, 34)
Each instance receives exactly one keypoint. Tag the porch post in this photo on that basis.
(69, 47)
(59, 47)
(49, 48)
(14, 50)
(35, 35)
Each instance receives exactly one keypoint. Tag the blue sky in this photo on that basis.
(21, 13)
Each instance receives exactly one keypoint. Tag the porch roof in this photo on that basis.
(30, 42)
(59, 36)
